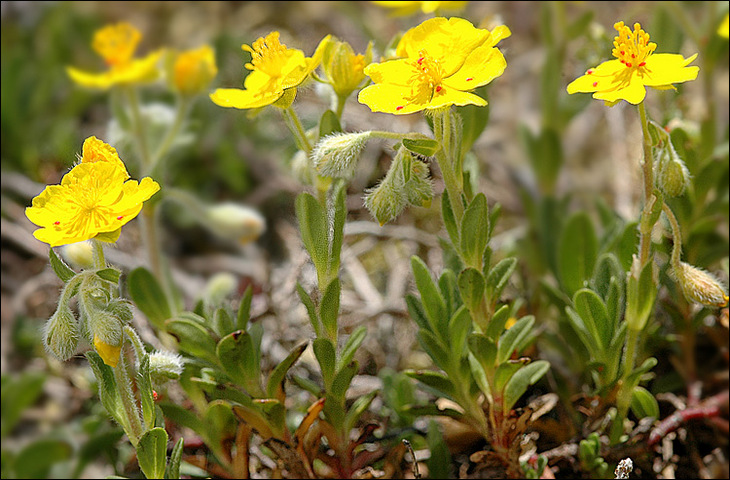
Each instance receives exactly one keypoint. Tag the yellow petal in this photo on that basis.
(243, 99)
(450, 96)
(632, 91)
(397, 72)
(667, 68)
(389, 98)
(482, 66)
(598, 78)
(108, 353)
(95, 150)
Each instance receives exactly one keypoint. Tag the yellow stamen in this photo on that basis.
(267, 55)
(632, 48)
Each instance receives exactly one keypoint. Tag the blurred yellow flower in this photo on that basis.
(636, 66)
(407, 8)
(94, 200)
(275, 70)
(108, 353)
(442, 60)
(116, 44)
(724, 29)
(193, 70)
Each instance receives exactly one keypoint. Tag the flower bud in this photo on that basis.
(106, 331)
(121, 309)
(343, 68)
(672, 176)
(193, 70)
(336, 155)
(219, 286)
(700, 286)
(61, 333)
(108, 353)
(235, 221)
(79, 254)
(165, 366)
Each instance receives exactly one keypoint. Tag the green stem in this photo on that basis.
(676, 236)
(137, 126)
(648, 177)
(341, 99)
(451, 181)
(129, 402)
(98, 254)
(295, 126)
(183, 108)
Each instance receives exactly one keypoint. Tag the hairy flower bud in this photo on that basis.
(343, 68)
(672, 173)
(235, 221)
(61, 333)
(193, 70)
(165, 366)
(219, 286)
(700, 286)
(79, 254)
(336, 155)
(106, 332)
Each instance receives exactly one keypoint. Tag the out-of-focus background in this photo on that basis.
(235, 156)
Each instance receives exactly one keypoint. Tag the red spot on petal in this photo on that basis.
(120, 217)
(595, 84)
(438, 89)
(57, 223)
(399, 108)
(642, 64)
(469, 79)
(623, 52)
(633, 55)
(589, 72)
(628, 64)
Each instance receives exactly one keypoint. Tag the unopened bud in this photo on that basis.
(109, 353)
(79, 254)
(672, 175)
(418, 188)
(220, 286)
(121, 309)
(336, 155)
(235, 221)
(165, 366)
(700, 286)
(193, 70)
(61, 333)
(106, 331)
(343, 68)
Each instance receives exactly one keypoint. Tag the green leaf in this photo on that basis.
(641, 292)
(417, 313)
(498, 321)
(512, 338)
(439, 462)
(108, 393)
(194, 339)
(436, 381)
(244, 309)
(109, 274)
(313, 227)
(329, 124)
(595, 317)
(19, 393)
(308, 385)
(149, 297)
(63, 271)
(471, 288)
(504, 372)
(434, 347)
(173, 465)
(484, 351)
(449, 218)
(222, 322)
(144, 383)
(450, 293)
(351, 345)
(184, 417)
(325, 353)
(422, 146)
(479, 374)
(276, 377)
(643, 403)
(329, 308)
(433, 303)
(338, 226)
(460, 326)
(517, 385)
(36, 459)
(475, 231)
(359, 406)
(499, 276)
(591, 343)
(311, 309)
(236, 354)
(342, 380)
(152, 453)
(577, 252)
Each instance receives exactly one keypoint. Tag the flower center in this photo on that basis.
(267, 55)
(116, 43)
(632, 48)
(429, 70)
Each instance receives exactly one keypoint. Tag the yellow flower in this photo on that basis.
(275, 70)
(409, 7)
(116, 44)
(441, 61)
(636, 66)
(193, 70)
(94, 200)
(108, 353)
(724, 29)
